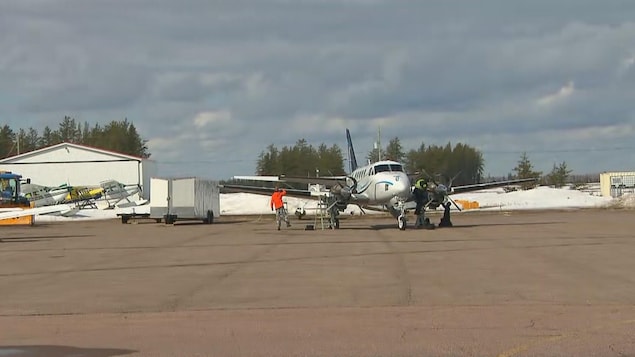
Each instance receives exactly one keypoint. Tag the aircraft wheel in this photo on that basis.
(401, 222)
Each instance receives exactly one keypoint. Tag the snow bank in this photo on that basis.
(492, 199)
(538, 198)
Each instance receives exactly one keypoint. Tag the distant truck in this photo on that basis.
(190, 198)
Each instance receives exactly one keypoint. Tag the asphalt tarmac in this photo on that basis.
(521, 283)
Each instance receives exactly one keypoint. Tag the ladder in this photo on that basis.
(321, 212)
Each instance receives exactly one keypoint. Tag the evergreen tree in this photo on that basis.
(415, 159)
(524, 170)
(461, 165)
(69, 131)
(394, 150)
(373, 155)
(26, 141)
(49, 137)
(32, 140)
(7, 141)
(330, 160)
(86, 134)
(122, 137)
(268, 161)
(301, 159)
(119, 136)
(559, 175)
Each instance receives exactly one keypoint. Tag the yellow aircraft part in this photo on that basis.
(465, 204)
(84, 193)
(20, 221)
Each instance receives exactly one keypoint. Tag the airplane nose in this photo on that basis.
(402, 188)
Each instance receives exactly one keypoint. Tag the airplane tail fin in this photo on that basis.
(351, 153)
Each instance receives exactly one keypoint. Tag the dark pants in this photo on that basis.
(421, 198)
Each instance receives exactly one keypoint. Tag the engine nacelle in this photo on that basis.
(343, 193)
(438, 195)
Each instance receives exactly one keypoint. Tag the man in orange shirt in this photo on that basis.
(277, 204)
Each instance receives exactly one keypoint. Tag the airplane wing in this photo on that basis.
(321, 180)
(231, 188)
(34, 211)
(481, 186)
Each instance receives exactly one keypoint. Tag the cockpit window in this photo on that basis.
(388, 168)
(396, 168)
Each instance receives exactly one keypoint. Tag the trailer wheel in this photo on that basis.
(210, 217)
(169, 218)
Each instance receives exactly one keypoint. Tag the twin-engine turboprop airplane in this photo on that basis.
(383, 183)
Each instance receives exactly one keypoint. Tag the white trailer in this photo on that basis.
(188, 198)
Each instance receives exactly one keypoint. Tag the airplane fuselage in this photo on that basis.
(380, 183)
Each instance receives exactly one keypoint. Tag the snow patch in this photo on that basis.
(492, 199)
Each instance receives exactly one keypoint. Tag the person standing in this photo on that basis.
(420, 194)
(277, 204)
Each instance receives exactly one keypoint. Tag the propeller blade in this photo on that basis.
(455, 205)
(453, 178)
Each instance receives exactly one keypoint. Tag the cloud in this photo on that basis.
(563, 93)
(212, 118)
(211, 84)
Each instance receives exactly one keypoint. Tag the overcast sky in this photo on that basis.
(211, 83)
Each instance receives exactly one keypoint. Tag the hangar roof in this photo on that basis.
(51, 148)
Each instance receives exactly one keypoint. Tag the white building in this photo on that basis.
(78, 165)
(615, 184)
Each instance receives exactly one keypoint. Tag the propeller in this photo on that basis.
(448, 187)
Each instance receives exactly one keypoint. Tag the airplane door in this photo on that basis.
(372, 194)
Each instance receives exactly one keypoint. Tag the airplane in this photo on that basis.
(383, 183)
(116, 191)
(111, 191)
(40, 196)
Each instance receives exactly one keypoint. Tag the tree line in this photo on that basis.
(119, 135)
(460, 163)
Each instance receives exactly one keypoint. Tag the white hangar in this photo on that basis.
(78, 165)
